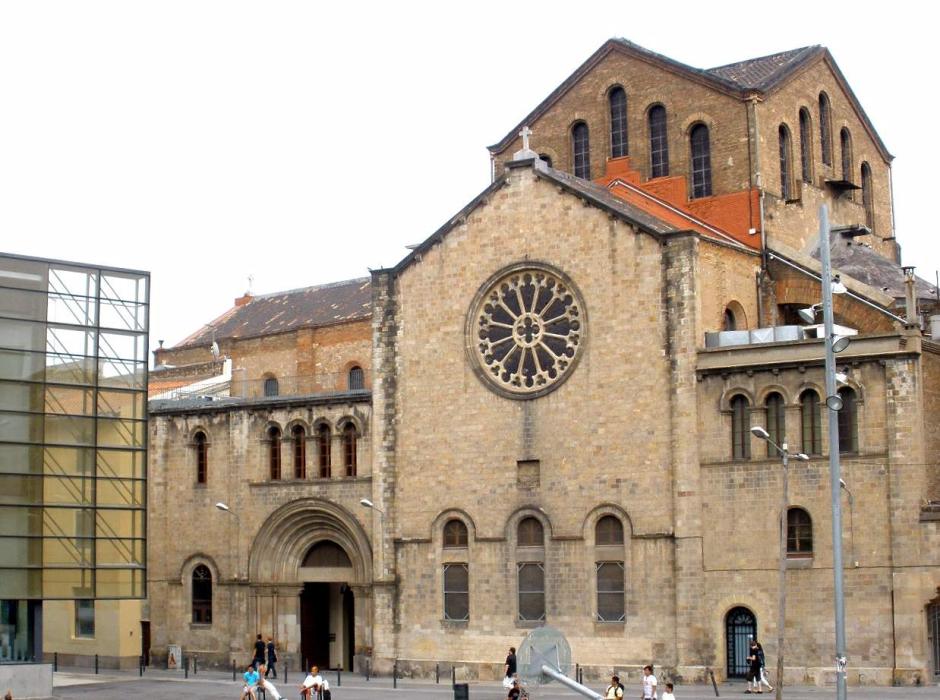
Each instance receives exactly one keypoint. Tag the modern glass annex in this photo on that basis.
(73, 430)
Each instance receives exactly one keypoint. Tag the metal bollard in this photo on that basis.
(185, 667)
(285, 672)
(368, 670)
(195, 664)
(140, 666)
(437, 673)
(55, 661)
(339, 677)
(96, 664)
(453, 675)
(233, 669)
(395, 674)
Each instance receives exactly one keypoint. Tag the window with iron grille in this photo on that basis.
(799, 533)
(868, 197)
(776, 421)
(610, 590)
(608, 531)
(299, 438)
(659, 142)
(740, 428)
(270, 386)
(581, 150)
(786, 164)
(349, 449)
(274, 452)
(456, 592)
(202, 595)
(806, 146)
(825, 128)
(323, 451)
(811, 422)
(848, 420)
(618, 123)
(531, 582)
(356, 379)
(455, 534)
(701, 161)
(202, 457)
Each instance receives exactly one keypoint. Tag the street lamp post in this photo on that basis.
(833, 404)
(366, 503)
(784, 453)
(238, 524)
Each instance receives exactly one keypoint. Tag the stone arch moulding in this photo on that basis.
(724, 402)
(527, 511)
(598, 512)
(289, 532)
(437, 525)
(769, 389)
(737, 311)
(354, 421)
(194, 560)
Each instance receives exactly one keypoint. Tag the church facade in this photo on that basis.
(542, 414)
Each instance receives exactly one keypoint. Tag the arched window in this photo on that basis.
(323, 451)
(455, 534)
(786, 163)
(701, 161)
(776, 421)
(349, 449)
(806, 145)
(270, 386)
(608, 531)
(202, 595)
(618, 123)
(356, 378)
(581, 150)
(825, 128)
(799, 533)
(456, 592)
(659, 143)
(811, 422)
(868, 196)
(848, 420)
(845, 141)
(547, 158)
(531, 533)
(201, 449)
(299, 440)
(740, 428)
(274, 452)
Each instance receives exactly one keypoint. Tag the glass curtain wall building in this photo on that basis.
(73, 453)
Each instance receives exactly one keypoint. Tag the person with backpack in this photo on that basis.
(614, 690)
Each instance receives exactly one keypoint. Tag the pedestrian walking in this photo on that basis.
(753, 669)
(272, 658)
(668, 694)
(509, 670)
(614, 690)
(649, 683)
(763, 669)
(259, 652)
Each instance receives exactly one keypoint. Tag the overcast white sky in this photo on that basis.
(304, 142)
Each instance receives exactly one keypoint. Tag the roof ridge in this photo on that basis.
(764, 57)
(312, 288)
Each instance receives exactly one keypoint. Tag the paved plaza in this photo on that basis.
(213, 684)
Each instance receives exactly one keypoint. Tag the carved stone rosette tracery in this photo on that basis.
(526, 330)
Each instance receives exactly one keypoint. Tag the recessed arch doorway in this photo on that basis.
(740, 629)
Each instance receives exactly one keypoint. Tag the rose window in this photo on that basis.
(526, 331)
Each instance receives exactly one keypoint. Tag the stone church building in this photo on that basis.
(542, 414)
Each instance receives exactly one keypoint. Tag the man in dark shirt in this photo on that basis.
(259, 653)
(511, 663)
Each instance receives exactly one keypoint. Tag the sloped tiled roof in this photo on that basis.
(765, 72)
(857, 260)
(322, 305)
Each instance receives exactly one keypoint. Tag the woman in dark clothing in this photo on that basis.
(272, 658)
(753, 671)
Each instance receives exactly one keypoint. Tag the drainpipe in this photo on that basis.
(754, 148)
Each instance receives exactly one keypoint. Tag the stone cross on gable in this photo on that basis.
(525, 134)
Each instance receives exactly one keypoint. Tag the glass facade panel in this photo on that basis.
(73, 426)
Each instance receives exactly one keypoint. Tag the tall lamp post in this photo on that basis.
(238, 524)
(366, 503)
(784, 453)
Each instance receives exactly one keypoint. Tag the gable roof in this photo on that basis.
(591, 193)
(858, 260)
(741, 79)
(321, 305)
(765, 72)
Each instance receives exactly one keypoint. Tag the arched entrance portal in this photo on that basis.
(327, 607)
(740, 628)
(310, 573)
